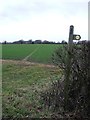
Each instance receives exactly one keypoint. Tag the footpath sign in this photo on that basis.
(73, 36)
(76, 37)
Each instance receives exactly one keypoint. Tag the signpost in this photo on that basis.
(70, 42)
(72, 37)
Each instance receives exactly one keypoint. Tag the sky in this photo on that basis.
(89, 20)
(42, 19)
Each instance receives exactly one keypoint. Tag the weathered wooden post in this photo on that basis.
(68, 67)
(72, 37)
(70, 41)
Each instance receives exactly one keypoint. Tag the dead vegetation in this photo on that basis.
(78, 102)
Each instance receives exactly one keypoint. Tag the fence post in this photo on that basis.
(68, 66)
(70, 42)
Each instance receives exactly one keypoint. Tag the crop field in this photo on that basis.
(32, 52)
(23, 81)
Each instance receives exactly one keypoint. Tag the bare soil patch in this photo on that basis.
(26, 63)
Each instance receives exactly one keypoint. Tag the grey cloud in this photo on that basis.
(27, 8)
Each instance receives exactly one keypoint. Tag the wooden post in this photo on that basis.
(72, 37)
(70, 41)
(68, 66)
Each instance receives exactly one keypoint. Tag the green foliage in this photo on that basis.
(78, 102)
(80, 80)
(59, 57)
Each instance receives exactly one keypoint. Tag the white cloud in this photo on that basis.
(37, 19)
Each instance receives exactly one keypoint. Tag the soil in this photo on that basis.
(27, 63)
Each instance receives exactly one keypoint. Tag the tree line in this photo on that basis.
(34, 42)
(38, 42)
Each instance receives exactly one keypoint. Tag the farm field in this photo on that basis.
(0, 51)
(21, 87)
(27, 71)
(32, 52)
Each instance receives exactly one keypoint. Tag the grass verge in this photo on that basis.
(22, 85)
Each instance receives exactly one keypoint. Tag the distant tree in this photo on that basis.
(21, 41)
(30, 41)
(51, 42)
(81, 42)
(64, 42)
(5, 42)
(46, 42)
(37, 41)
(58, 43)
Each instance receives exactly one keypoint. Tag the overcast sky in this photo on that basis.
(42, 19)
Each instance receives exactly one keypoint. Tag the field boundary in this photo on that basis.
(27, 63)
(26, 58)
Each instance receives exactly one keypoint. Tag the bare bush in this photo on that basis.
(78, 103)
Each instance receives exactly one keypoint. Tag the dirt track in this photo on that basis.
(27, 63)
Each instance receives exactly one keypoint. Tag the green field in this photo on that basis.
(32, 52)
(22, 84)
(23, 81)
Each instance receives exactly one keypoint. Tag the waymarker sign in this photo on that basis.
(76, 37)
